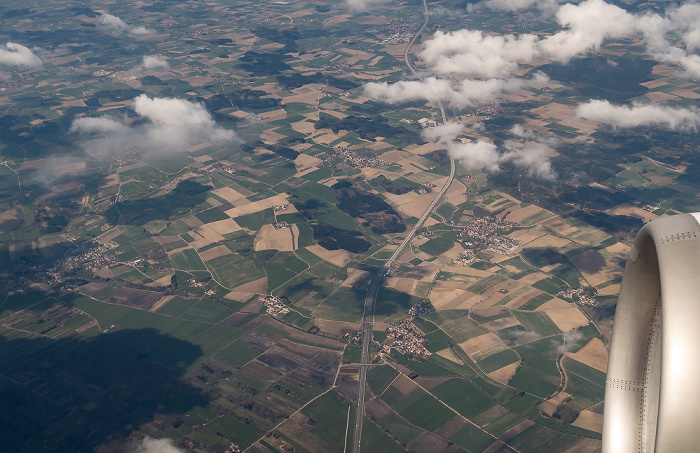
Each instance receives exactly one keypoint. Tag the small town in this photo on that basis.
(421, 308)
(465, 258)
(570, 293)
(406, 338)
(480, 234)
(353, 159)
(275, 306)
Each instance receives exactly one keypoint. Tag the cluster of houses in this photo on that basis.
(570, 293)
(465, 258)
(481, 234)
(406, 338)
(421, 308)
(275, 306)
(352, 158)
(89, 256)
(219, 167)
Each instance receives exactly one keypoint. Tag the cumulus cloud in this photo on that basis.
(362, 5)
(473, 53)
(531, 156)
(103, 124)
(585, 27)
(441, 11)
(467, 93)
(684, 119)
(443, 133)
(18, 55)
(570, 341)
(171, 125)
(151, 445)
(548, 6)
(152, 62)
(114, 25)
(532, 135)
(589, 24)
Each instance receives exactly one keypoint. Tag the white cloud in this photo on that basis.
(151, 445)
(18, 55)
(176, 121)
(517, 5)
(114, 25)
(111, 22)
(472, 53)
(586, 26)
(467, 93)
(640, 115)
(154, 62)
(531, 156)
(532, 135)
(589, 24)
(362, 5)
(102, 124)
(570, 341)
(441, 11)
(172, 126)
(443, 133)
(141, 30)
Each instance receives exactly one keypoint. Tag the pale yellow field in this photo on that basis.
(216, 252)
(336, 327)
(517, 215)
(448, 354)
(451, 299)
(504, 374)
(590, 421)
(261, 205)
(270, 137)
(224, 226)
(660, 96)
(304, 127)
(632, 211)
(476, 344)
(203, 236)
(338, 257)
(270, 238)
(354, 276)
(410, 204)
(594, 354)
(567, 318)
(503, 323)
(548, 241)
(304, 162)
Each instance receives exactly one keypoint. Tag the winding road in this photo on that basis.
(376, 281)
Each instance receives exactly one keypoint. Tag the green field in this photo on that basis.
(256, 220)
(427, 413)
(498, 360)
(379, 378)
(345, 304)
(456, 324)
(471, 401)
(187, 259)
(538, 322)
(472, 438)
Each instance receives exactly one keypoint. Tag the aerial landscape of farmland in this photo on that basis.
(315, 225)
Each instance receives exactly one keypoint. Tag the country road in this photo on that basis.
(376, 281)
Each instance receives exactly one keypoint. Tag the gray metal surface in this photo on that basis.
(652, 395)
